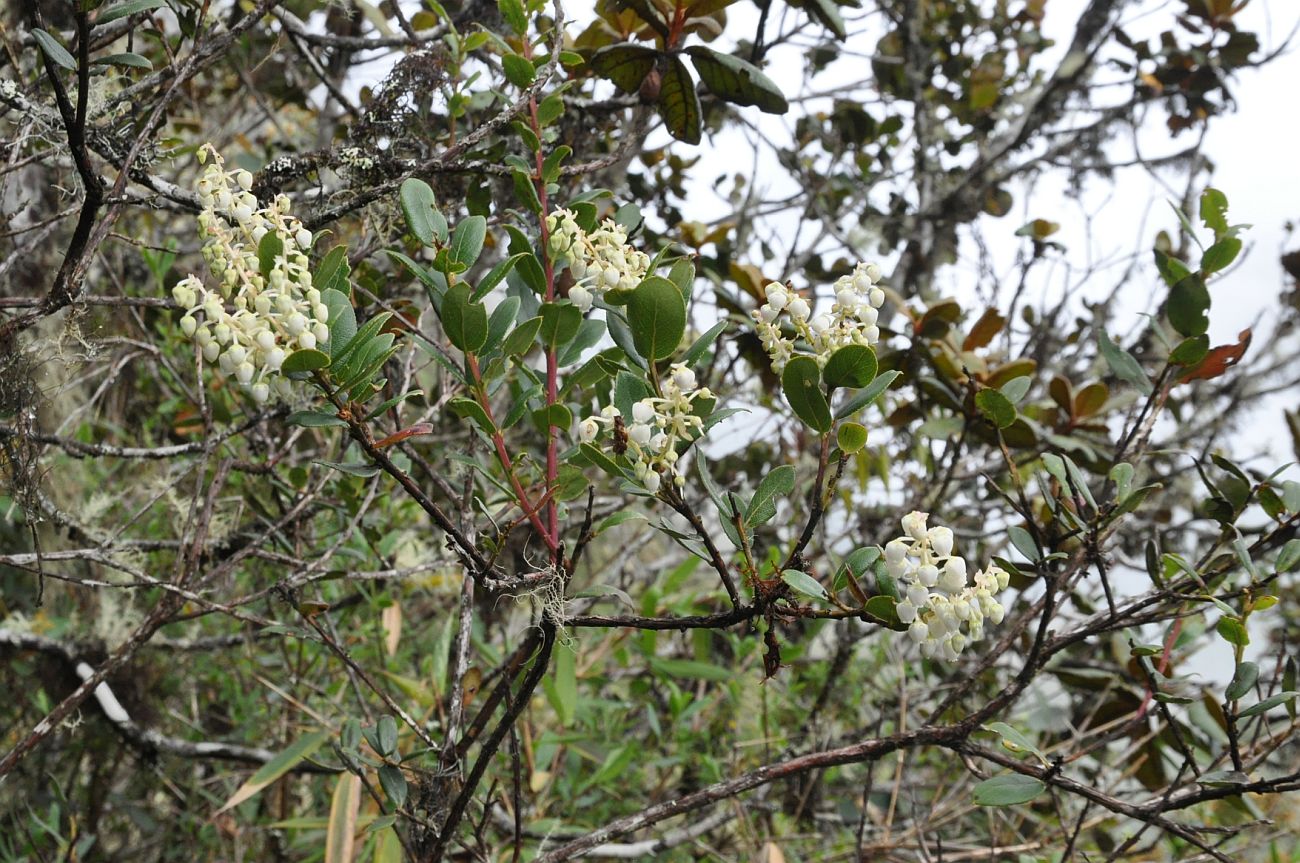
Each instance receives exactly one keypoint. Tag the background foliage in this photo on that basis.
(328, 630)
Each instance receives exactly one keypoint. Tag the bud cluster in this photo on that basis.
(658, 425)
(850, 321)
(938, 603)
(273, 313)
(600, 261)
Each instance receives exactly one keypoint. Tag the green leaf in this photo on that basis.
(804, 583)
(851, 437)
(1233, 631)
(626, 65)
(314, 419)
(386, 734)
(465, 322)
(332, 272)
(125, 59)
(828, 15)
(472, 410)
(269, 250)
(679, 104)
(1288, 557)
(884, 608)
(53, 50)
(1122, 475)
(594, 455)
(394, 784)
(1016, 388)
(1220, 255)
(467, 242)
(305, 361)
(1189, 301)
(1268, 704)
(500, 321)
(361, 469)
(1214, 210)
(777, 483)
(513, 13)
(519, 70)
(1243, 681)
(1014, 741)
(423, 219)
(1007, 790)
(737, 81)
(563, 694)
(704, 342)
(1171, 269)
(560, 323)
(342, 320)
(868, 394)
(1222, 779)
(801, 383)
(996, 408)
(122, 10)
(277, 767)
(1123, 365)
(850, 366)
(522, 337)
(1023, 541)
(1190, 351)
(656, 313)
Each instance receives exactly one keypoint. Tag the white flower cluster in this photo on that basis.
(599, 261)
(938, 601)
(273, 314)
(658, 424)
(850, 321)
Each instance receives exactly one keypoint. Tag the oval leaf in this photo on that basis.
(421, 211)
(804, 583)
(656, 312)
(850, 366)
(679, 104)
(801, 382)
(996, 408)
(737, 81)
(305, 361)
(1007, 790)
(625, 65)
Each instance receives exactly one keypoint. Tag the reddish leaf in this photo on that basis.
(989, 325)
(398, 437)
(1218, 360)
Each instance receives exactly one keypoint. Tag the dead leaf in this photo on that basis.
(1218, 360)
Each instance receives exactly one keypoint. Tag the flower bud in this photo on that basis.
(307, 341)
(189, 325)
(914, 524)
(940, 541)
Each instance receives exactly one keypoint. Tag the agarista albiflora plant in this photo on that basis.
(439, 488)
